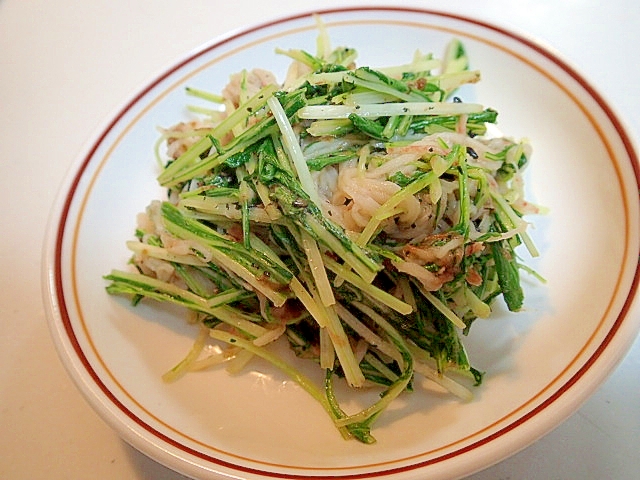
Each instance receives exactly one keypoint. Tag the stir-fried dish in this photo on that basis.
(364, 216)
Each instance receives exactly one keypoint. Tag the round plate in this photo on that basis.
(541, 363)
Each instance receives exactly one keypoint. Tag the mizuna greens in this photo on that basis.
(363, 215)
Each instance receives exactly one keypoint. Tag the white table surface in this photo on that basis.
(65, 66)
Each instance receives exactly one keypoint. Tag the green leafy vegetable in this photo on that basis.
(356, 213)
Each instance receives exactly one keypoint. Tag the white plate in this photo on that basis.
(541, 364)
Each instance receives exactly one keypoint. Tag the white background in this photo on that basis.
(65, 66)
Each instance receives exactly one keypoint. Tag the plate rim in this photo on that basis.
(52, 264)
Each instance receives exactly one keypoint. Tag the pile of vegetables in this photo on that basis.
(249, 242)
